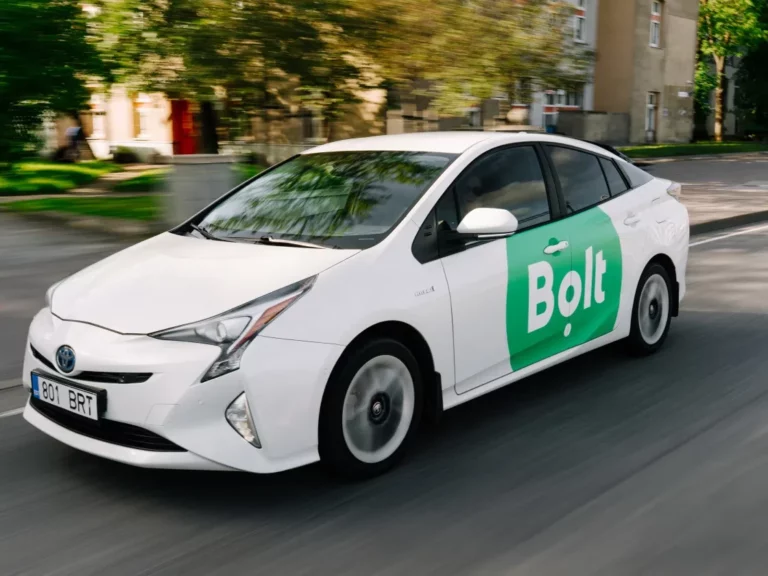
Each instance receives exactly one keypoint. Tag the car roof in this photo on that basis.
(456, 142)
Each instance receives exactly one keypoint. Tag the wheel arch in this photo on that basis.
(417, 344)
(667, 263)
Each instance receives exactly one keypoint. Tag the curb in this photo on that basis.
(8, 384)
(730, 222)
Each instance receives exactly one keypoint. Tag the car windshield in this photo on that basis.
(334, 199)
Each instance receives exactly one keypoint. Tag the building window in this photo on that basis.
(580, 22)
(655, 24)
(574, 98)
(98, 115)
(549, 98)
(142, 106)
(651, 108)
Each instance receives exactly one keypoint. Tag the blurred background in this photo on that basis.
(119, 118)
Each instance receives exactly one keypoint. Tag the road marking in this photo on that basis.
(724, 236)
(11, 412)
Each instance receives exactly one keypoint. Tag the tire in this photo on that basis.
(371, 409)
(651, 311)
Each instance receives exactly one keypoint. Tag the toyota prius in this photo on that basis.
(324, 308)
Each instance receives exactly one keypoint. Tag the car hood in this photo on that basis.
(171, 280)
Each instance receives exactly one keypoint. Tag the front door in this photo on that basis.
(490, 282)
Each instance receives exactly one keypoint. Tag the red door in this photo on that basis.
(183, 126)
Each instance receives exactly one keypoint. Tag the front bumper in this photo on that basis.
(283, 380)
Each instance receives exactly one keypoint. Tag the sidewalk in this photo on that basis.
(106, 183)
(720, 191)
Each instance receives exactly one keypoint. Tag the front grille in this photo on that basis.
(104, 377)
(106, 430)
(114, 377)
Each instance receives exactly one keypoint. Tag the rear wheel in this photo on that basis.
(371, 409)
(651, 313)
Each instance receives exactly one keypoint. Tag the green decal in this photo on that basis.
(561, 300)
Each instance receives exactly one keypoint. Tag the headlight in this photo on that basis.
(232, 331)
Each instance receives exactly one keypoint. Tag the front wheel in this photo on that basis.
(651, 313)
(371, 409)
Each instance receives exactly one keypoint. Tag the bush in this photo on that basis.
(256, 158)
(125, 155)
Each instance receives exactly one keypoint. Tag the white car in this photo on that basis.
(325, 307)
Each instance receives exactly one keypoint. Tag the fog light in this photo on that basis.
(239, 417)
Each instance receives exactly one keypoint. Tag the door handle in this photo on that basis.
(555, 248)
(632, 219)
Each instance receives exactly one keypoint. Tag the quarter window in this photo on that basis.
(616, 183)
(637, 177)
(510, 179)
(580, 176)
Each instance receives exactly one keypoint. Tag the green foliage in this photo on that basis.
(45, 59)
(50, 177)
(469, 51)
(705, 82)
(729, 27)
(699, 148)
(261, 54)
(752, 96)
(129, 208)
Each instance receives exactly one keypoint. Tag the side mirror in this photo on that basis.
(488, 222)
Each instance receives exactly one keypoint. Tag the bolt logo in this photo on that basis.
(561, 300)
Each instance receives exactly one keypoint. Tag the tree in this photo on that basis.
(45, 62)
(727, 28)
(752, 95)
(469, 51)
(244, 52)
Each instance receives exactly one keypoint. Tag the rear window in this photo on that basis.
(636, 176)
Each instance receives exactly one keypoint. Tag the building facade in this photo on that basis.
(546, 104)
(644, 67)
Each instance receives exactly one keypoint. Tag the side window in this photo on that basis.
(510, 179)
(636, 176)
(581, 178)
(615, 180)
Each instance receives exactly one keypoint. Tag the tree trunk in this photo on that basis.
(719, 98)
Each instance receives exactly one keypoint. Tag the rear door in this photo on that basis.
(597, 262)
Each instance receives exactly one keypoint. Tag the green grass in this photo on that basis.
(40, 177)
(149, 181)
(129, 208)
(663, 150)
(249, 170)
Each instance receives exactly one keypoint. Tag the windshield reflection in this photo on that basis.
(344, 199)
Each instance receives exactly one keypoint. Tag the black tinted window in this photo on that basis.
(343, 199)
(510, 179)
(636, 176)
(616, 183)
(580, 176)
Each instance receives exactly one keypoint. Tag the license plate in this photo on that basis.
(70, 398)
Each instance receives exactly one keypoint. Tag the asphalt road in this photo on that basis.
(605, 465)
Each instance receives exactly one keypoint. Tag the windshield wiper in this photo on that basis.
(207, 235)
(285, 242)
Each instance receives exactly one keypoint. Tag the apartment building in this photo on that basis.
(546, 104)
(644, 67)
